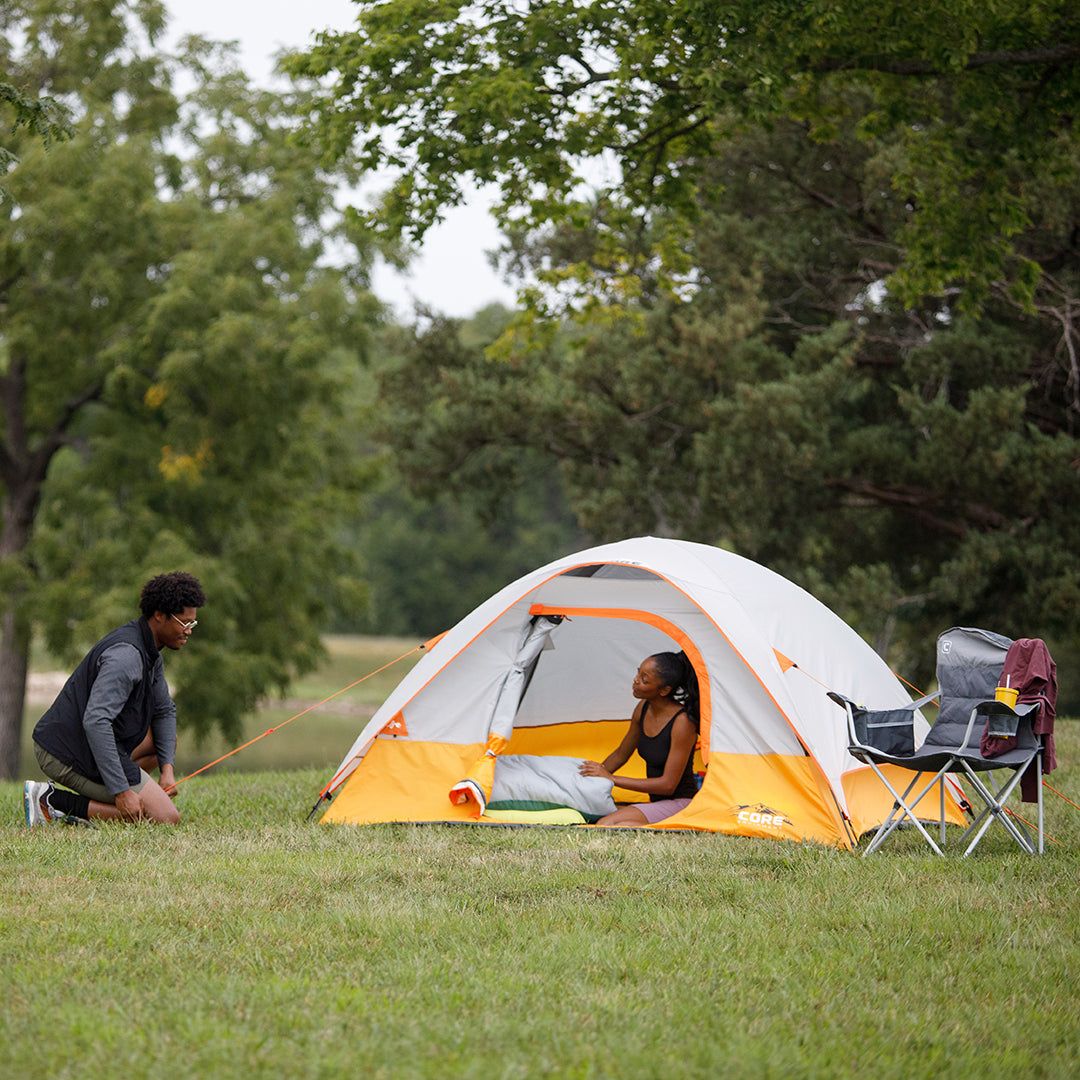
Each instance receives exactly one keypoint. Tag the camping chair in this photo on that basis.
(969, 667)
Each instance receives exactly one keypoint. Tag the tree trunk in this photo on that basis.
(17, 510)
(24, 464)
(14, 662)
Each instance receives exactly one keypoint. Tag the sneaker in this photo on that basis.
(35, 794)
(39, 811)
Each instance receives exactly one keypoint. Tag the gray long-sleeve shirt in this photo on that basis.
(119, 669)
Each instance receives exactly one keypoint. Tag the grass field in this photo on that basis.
(248, 942)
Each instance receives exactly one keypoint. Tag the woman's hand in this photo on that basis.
(594, 768)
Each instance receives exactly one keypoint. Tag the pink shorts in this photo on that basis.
(657, 811)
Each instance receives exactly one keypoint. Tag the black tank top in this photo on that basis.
(654, 750)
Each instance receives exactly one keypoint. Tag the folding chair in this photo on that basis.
(969, 667)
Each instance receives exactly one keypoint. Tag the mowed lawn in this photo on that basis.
(249, 942)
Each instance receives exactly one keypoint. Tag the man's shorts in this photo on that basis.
(67, 777)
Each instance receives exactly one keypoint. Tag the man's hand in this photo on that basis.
(130, 805)
(168, 781)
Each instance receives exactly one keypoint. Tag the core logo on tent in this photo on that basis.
(761, 815)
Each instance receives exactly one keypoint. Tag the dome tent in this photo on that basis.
(773, 746)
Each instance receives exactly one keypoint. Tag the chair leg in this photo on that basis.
(1039, 785)
(995, 809)
(899, 812)
(942, 819)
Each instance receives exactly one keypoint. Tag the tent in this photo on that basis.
(544, 668)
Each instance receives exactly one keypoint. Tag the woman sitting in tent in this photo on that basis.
(663, 731)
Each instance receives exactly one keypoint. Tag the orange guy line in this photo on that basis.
(310, 708)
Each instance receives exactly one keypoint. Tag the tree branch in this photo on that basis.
(920, 504)
(1043, 54)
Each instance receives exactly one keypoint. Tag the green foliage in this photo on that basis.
(434, 546)
(907, 464)
(45, 117)
(979, 98)
(178, 365)
(429, 561)
(21, 104)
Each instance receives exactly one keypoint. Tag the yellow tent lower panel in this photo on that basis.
(402, 780)
(778, 796)
(869, 800)
(773, 795)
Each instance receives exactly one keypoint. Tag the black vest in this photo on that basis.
(60, 729)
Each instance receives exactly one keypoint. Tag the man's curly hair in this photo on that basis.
(171, 593)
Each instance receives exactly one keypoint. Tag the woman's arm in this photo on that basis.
(621, 754)
(683, 739)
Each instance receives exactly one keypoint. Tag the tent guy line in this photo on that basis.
(303, 712)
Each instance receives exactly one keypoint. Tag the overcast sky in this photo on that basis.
(451, 273)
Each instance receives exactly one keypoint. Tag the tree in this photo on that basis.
(979, 100)
(176, 363)
(821, 306)
(44, 116)
(906, 463)
(430, 556)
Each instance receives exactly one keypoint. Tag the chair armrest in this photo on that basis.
(884, 732)
(1002, 719)
(848, 706)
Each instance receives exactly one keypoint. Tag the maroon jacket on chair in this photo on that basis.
(1031, 670)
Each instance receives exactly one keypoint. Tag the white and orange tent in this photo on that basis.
(545, 666)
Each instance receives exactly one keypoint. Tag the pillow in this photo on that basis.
(556, 815)
(552, 780)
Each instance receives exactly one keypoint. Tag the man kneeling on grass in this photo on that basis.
(114, 720)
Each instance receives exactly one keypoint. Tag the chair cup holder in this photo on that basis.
(1001, 725)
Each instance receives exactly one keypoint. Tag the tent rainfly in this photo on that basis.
(544, 668)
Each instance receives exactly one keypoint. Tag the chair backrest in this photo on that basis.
(969, 663)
